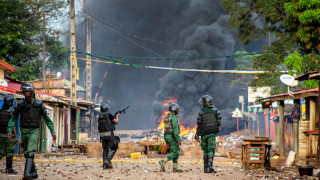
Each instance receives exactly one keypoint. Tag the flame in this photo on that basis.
(170, 101)
(161, 125)
(184, 131)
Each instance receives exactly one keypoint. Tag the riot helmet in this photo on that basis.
(206, 100)
(27, 87)
(8, 101)
(104, 107)
(173, 107)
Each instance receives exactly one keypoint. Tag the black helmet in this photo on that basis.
(104, 107)
(27, 87)
(8, 101)
(173, 107)
(206, 100)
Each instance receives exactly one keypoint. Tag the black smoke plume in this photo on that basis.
(167, 28)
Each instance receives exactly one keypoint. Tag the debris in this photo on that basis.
(136, 155)
(290, 159)
(306, 171)
(94, 150)
(233, 155)
(193, 152)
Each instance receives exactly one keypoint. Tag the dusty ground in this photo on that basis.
(80, 167)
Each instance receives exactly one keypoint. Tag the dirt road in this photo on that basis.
(80, 167)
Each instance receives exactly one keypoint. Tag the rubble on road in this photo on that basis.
(81, 167)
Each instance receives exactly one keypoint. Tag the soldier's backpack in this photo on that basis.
(167, 125)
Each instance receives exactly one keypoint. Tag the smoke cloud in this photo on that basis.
(179, 28)
(215, 39)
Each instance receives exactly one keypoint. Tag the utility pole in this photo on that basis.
(88, 62)
(241, 100)
(281, 129)
(44, 50)
(73, 58)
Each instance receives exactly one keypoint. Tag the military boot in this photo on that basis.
(109, 158)
(34, 173)
(9, 166)
(175, 167)
(210, 161)
(163, 164)
(104, 156)
(28, 167)
(205, 164)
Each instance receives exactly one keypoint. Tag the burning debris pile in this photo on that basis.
(185, 132)
(153, 140)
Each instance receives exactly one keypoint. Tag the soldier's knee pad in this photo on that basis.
(31, 155)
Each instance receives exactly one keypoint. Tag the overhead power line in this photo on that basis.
(121, 34)
(170, 59)
(112, 61)
(180, 69)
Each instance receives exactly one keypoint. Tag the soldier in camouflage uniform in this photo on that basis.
(7, 146)
(172, 138)
(30, 111)
(209, 120)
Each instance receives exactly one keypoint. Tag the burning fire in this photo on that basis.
(184, 131)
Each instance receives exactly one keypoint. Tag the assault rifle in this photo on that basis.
(122, 111)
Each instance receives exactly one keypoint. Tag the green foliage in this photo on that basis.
(303, 19)
(27, 71)
(243, 62)
(294, 63)
(17, 32)
(311, 83)
(57, 53)
(246, 16)
(295, 25)
(299, 65)
(21, 35)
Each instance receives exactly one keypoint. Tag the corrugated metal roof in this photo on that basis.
(306, 76)
(6, 67)
(295, 95)
(15, 87)
(66, 83)
(6, 92)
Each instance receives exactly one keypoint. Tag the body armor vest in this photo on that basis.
(208, 124)
(168, 125)
(104, 123)
(4, 120)
(29, 114)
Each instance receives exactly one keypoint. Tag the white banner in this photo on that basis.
(262, 92)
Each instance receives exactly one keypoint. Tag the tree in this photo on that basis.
(303, 19)
(57, 54)
(243, 62)
(294, 24)
(21, 35)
